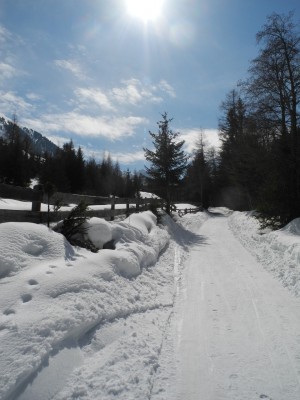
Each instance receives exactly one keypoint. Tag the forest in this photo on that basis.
(257, 166)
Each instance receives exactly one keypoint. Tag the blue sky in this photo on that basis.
(91, 71)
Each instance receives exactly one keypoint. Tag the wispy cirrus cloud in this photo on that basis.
(86, 96)
(33, 96)
(71, 66)
(124, 157)
(11, 102)
(131, 92)
(4, 34)
(85, 125)
(129, 157)
(134, 92)
(7, 71)
(166, 87)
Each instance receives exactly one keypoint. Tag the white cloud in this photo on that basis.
(126, 157)
(89, 95)
(166, 87)
(33, 96)
(4, 34)
(85, 125)
(131, 92)
(134, 92)
(193, 135)
(72, 66)
(11, 102)
(7, 71)
(128, 94)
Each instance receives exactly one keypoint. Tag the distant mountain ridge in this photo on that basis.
(40, 144)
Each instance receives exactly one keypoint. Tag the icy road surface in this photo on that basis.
(235, 329)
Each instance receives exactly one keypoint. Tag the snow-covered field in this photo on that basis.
(80, 325)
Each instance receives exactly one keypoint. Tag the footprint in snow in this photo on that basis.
(32, 282)
(9, 311)
(26, 297)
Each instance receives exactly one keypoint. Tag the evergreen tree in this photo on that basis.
(241, 157)
(274, 91)
(198, 180)
(168, 161)
(92, 178)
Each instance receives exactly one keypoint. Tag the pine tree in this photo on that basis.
(198, 180)
(274, 88)
(168, 161)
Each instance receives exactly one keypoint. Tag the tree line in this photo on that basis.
(66, 170)
(258, 163)
(259, 128)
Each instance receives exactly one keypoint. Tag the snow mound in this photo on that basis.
(24, 244)
(293, 227)
(147, 195)
(54, 300)
(98, 231)
(137, 241)
(145, 221)
(278, 251)
(192, 222)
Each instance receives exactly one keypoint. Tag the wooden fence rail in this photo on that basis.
(36, 197)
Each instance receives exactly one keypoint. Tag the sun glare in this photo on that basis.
(145, 9)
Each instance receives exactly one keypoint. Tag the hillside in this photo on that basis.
(39, 143)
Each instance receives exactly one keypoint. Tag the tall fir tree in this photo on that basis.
(168, 161)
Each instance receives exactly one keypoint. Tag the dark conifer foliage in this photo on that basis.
(168, 161)
(18, 162)
(260, 152)
(66, 168)
(198, 180)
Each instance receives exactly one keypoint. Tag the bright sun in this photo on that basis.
(145, 9)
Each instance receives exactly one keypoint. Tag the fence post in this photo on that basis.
(127, 208)
(36, 204)
(112, 208)
(137, 205)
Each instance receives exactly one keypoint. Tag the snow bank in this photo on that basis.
(25, 244)
(278, 251)
(137, 241)
(53, 294)
(192, 222)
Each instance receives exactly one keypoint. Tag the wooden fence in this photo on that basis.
(36, 197)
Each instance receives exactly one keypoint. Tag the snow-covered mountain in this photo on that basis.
(40, 143)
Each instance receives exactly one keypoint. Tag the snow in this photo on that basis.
(9, 204)
(278, 251)
(199, 307)
(147, 195)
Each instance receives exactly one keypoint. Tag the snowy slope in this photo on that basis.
(278, 251)
(40, 143)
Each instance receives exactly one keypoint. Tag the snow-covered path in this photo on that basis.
(236, 330)
(178, 311)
